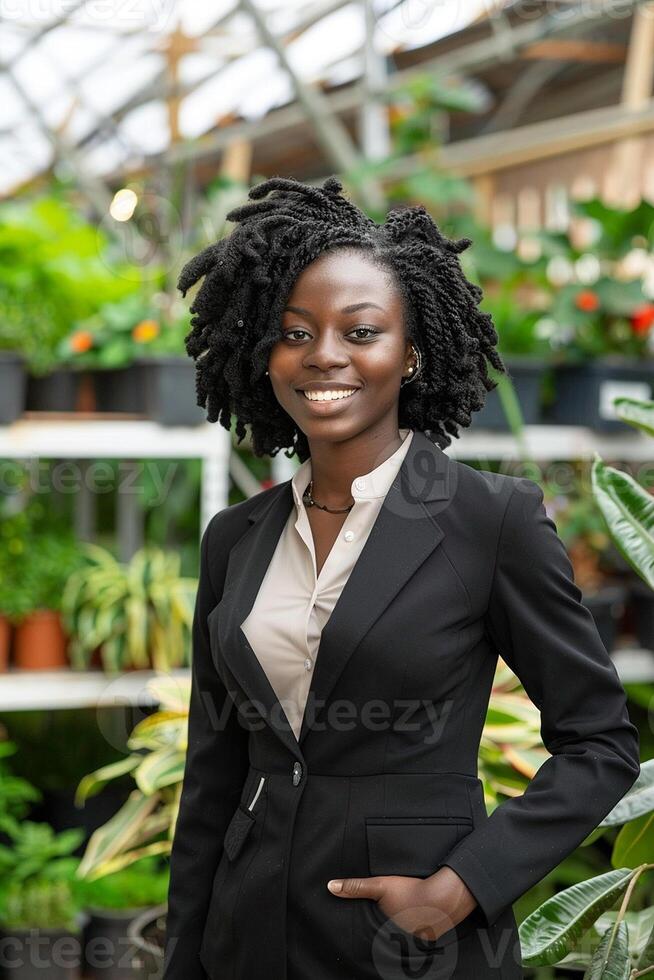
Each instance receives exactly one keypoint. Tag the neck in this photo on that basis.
(335, 464)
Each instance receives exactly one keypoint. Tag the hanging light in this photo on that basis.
(123, 204)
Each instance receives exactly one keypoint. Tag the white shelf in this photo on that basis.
(553, 442)
(26, 690)
(92, 438)
(34, 437)
(97, 438)
(43, 690)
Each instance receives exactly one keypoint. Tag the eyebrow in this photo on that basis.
(353, 308)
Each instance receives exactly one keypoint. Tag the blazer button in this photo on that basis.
(297, 773)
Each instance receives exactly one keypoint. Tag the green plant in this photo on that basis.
(139, 614)
(145, 824)
(16, 793)
(142, 884)
(54, 269)
(628, 508)
(36, 560)
(38, 885)
(41, 904)
(121, 332)
(621, 943)
(601, 290)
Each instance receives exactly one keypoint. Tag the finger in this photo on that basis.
(356, 887)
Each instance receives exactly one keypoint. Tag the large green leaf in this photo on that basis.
(637, 413)
(628, 510)
(553, 929)
(638, 800)
(641, 926)
(611, 960)
(634, 845)
(115, 836)
(93, 782)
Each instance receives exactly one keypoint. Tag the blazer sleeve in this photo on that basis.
(215, 770)
(537, 623)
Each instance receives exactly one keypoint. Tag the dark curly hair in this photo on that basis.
(248, 276)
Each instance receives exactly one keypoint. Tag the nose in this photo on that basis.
(325, 352)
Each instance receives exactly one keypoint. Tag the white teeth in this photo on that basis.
(329, 396)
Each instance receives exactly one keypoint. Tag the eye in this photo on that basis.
(371, 331)
(296, 330)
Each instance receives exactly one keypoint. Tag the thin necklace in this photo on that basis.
(310, 502)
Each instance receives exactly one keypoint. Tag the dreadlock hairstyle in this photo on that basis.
(248, 276)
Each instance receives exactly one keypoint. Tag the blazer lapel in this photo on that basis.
(404, 534)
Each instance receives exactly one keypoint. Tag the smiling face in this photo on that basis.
(338, 366)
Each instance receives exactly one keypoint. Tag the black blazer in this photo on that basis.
(460, 565)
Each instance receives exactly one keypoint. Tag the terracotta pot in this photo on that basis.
(5, 639)
(40, 642)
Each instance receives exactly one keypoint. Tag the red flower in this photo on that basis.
(642, 319)
(587, 300)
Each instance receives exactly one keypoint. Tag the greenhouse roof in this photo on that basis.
(103, 84)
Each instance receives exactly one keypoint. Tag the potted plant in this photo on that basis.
(136, 352)
(511, 280)
(137, 615)
(35, 562)
(602, 304)
(41, 918)
(112, 903)
(54, 270)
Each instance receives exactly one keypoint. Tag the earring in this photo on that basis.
(413, 371)
(266, 372)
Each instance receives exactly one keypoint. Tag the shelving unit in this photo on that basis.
(29, 690)
(134, 439)
(129, 439)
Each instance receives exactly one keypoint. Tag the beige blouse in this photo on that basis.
(293, 603)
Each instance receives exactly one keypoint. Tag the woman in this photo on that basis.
(332, 825)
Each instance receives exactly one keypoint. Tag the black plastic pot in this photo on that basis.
(109, 952)
(607, 606)
(584, 392)
(526, 373)
(170, 394)
(120, 389)
(41, 954)
(12, 386)
(53, 392)
(147, 932)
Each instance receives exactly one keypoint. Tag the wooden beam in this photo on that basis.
(623, 186)
(569, 50)
(469, 58)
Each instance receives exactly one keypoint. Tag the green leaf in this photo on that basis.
(638, 800)
(636, 412)
(634, 845)
(553, 929)
(628, 510)
(611, 959)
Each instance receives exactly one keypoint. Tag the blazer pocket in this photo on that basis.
(412, 846)
(241, 824)
(236, 834)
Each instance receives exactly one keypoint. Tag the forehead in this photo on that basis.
(346, 272)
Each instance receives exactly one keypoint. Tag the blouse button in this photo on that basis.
(348, 535)
(360, 484)
(307, 663)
